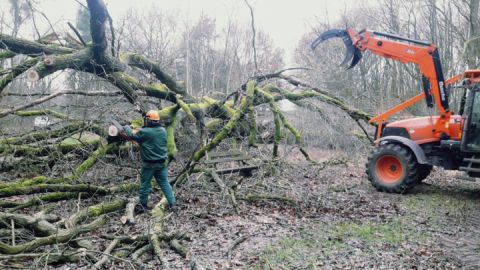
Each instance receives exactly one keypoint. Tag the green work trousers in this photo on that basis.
(160, 172)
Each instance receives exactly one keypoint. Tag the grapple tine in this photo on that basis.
(349, 54)
(351, 51)
(328, 35)
(357, 56)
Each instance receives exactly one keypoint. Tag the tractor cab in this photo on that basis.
(471, 127)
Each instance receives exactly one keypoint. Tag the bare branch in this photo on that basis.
(79, 36)
(54, 95)
(253, 36)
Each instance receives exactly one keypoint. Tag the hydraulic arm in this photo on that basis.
(423, 54)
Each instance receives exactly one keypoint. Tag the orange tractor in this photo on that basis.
(407, 150)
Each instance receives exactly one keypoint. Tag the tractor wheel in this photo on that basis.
(424, 171)
(392, 168)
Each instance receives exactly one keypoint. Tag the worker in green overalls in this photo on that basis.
(152, 139)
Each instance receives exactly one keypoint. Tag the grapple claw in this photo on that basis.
(357, 56)
(352, 53)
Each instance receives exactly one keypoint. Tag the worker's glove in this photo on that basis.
(139, 108)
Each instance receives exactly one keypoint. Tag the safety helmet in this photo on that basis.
(152, 115)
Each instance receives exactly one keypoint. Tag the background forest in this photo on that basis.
(301, 119)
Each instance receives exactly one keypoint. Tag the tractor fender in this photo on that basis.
(415, 148)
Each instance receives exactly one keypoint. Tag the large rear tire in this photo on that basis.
(392, 168)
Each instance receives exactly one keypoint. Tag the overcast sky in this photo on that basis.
(284, 20)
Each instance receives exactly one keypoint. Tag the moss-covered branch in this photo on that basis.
(42, 188)
(252, 137)
(142, 62)
(43, 112)
(27, 47)
(16, 71)
(186, 109)
(95, 211)
(91, 160)
(171, 145)
(61, 237)
(322, 96)
(39, 225)
(41, 199)
(279, 118)
(276, 118)
(227, 129)
(156, 229)
(5, 54)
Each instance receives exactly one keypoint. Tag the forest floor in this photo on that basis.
(337, 221)
(294, 215)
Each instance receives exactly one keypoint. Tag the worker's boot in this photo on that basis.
(172, 208)
(141, 208)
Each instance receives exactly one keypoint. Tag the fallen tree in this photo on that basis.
(222, 117)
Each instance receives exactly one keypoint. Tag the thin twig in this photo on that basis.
(33, 19)
(13, 232)
(253, 36)
(112, 31)
(81, 4)
(53, 95)
(79, 36)
(108, 250)
(51, 27)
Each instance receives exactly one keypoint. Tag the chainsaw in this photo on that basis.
(116, 133)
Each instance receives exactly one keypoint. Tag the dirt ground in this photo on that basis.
(337, 221)
(294, 215)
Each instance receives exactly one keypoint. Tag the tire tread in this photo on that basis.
(411, 165)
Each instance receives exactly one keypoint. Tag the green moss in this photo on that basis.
(222, 134)
(186, 109)
(17, 70)
(214, 125)
(26, 182)
(7, 54)
(42, 112)
(322, 96)
(137, 123)
(90, 161)
(252, 137)
(171, 146)
(152, 67)
(436, 205)
(51, 197)
(226, 110)
(277, 117)
(308, 249)
(393, 232)
(291, 128)
(78, 140)
(94, 211)
(158, 90)
(97, 210)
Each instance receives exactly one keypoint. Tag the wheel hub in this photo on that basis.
(389, 169)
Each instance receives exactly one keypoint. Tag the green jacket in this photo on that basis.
(153, 143)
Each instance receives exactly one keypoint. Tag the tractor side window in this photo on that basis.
(473, 132)
(476, 109)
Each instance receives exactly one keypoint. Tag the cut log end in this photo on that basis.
(32, 75)
(49, 60)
